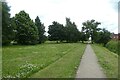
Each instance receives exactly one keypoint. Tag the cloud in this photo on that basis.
(78, 10)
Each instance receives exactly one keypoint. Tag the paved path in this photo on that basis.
(89, 67)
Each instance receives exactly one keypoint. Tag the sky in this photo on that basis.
(79, 11)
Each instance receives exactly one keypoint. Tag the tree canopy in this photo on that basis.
(72, 33)
(103, 36)
(68, 33)
(7, 30)
(23, 30)
(91, 27)
(27, 32)
(56, 31)
(41, 30)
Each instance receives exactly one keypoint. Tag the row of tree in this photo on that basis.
(70, 33)
(23, 30)
(98, 35)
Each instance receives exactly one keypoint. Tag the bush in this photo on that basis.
(113, 46)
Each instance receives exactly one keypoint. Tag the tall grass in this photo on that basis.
(107, 60)
(39, 57)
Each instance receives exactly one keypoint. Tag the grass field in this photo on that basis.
(45, 60)
(108, 60)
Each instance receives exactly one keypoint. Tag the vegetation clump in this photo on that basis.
(24, 71)
(113, 46)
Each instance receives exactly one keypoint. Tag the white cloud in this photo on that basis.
(78, 10)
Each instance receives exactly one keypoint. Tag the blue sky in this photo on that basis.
(104, 11)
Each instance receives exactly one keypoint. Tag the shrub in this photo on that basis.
(113, 46)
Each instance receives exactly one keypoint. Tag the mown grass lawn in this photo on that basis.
(108, 60)
(52, 60)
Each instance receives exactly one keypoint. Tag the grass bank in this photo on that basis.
(108, 60)
(49, 60)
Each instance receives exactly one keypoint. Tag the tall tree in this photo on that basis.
(7, 30)
(56, 32)
(72, 33)
(91, 28)
(27, 32)
(41, 30)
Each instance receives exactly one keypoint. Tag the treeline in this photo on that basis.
(69, 32)
(23, 30)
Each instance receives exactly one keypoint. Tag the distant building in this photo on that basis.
(115, 36)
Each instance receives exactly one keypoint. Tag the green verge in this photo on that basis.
(65, 67)
(0, 62)
(34, 58)
(108, 60)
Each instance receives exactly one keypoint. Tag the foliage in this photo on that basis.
(103, 37)
(14, 27)
(56, 32)
(41, 30)
(26, 31)
(90, 27)
(23, 30)
(113, 46)
(83, 35)
(7, 30)
(0, 23)
(71, 31)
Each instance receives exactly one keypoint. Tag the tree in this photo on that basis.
(71, 31)
(7, 30)
(103, 36)
(0, 23)
(91, 28)
(56, 31)
(14, 27)
(41, 30)
(26, 31)
(83, 36)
